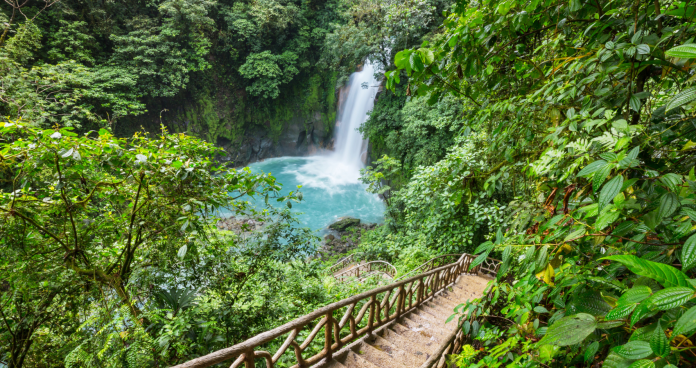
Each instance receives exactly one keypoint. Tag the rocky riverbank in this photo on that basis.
(345, 235)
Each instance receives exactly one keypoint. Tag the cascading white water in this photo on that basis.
(362, 88)
(331, 181)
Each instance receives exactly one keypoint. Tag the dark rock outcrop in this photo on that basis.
(344, 223)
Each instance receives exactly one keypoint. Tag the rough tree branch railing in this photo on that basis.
(381, 306)
(430, 264)
(367, 269)
(344, 262)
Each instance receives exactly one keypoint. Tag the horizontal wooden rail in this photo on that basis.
(380, 306)
(432, 263)
(368, 268)
(344, 262)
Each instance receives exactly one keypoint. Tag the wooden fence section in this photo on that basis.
(342, 322)
(366, 269)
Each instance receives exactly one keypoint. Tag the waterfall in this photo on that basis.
(351, 149)
(330, 181)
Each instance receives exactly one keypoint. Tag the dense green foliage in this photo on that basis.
(220, 67)
(110, 257)
(574, 165)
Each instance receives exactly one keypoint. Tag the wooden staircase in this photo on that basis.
(397, 325)
(414, 338)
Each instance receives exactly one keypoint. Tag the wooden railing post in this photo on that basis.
(327, 335)
(400, 301)
(419, 295)
(371, 316)
(249, 359)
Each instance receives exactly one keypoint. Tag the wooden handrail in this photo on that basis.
(343, 262)
(428, 265)
(399, 298)
(363, 269)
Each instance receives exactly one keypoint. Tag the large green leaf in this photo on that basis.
(666, 275)
(659, 342)
(590, 302)
(606, 219)
(643, 363)
(687, 51)
(610, 190)
(416, 62)
(668, 204)
(592, 167)
(600, 176)
(669, 298)
(614, 360)
(684, 97)
(688, 253)
(633, 350)
(641, 311)
(591, 351)
(635, 295)
(570, 330)
(620, 311)
(686, 324)
(671, 181)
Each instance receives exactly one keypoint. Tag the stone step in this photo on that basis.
(407, 344)
(404, 358)
(356, 361)
(375, 356)
(426, 323)
(334, 364)
(425, 339)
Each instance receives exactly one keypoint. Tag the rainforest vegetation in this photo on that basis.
(556, 136)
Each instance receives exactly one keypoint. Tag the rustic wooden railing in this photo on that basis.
(490, 266)
(366, 269)
(342, 322)
(430, 264)
(345, 262)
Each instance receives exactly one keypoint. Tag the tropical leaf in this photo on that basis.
(610, 190)
(671, 181)
(614, 360)
(643, 363)
(600, 176)
(591, 351)
(686, 324)
(590, 302)
(659, 343)
(670, 298)
(635, 295)
(686, 51)
(592, 168)
(666, 275)
(569, 330)
(621, 311)
(633, 350)
(688, 253)
(668, 204)
(683, 98)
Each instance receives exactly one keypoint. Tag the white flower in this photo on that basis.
(56, 135)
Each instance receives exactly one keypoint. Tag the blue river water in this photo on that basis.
(331, 189)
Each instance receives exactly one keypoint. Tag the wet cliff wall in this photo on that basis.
(298, 122)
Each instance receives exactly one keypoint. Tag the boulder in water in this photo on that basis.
(344, 223)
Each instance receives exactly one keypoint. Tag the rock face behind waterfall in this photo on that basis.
(300, 137)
